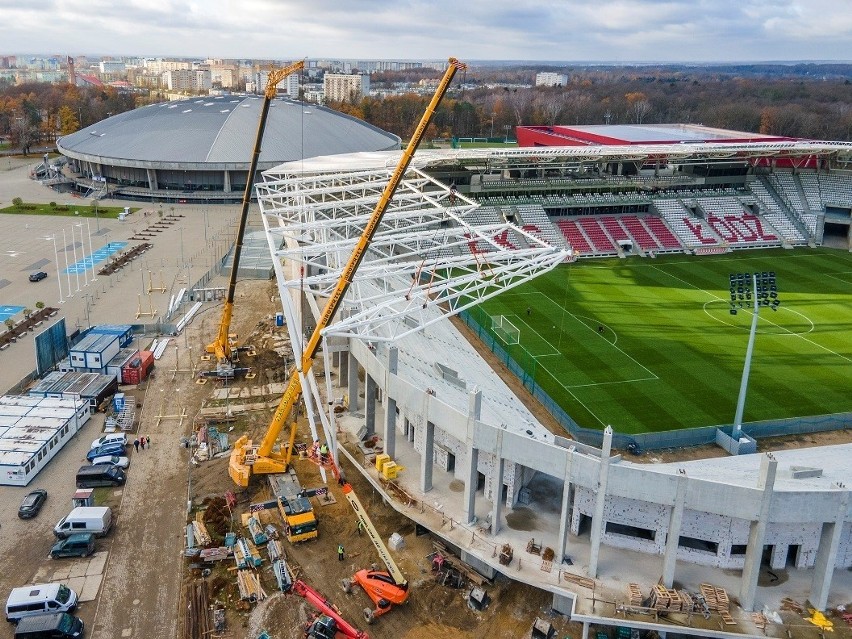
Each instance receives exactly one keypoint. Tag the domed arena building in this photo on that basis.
(199, 149)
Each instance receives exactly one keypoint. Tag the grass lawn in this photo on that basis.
(81, 210)
(650, 345)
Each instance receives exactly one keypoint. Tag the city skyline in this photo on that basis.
(622, 31)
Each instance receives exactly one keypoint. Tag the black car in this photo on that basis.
(38, 276)
(32, 504)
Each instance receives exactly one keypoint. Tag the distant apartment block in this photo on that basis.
(187, 80)
(340, 87)
(112, 66)
(549, 79)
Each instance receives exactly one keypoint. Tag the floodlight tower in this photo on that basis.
(761, 289)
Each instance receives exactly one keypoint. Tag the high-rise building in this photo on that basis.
(340, 87)
(550, 79)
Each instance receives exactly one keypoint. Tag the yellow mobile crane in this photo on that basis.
(248, 458)
(221, 347)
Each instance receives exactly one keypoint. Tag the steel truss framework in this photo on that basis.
(430, 252)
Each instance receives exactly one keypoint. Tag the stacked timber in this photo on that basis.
(215, 554)
(634, 595)
(248, 582)
(197, 621)
(199, 531)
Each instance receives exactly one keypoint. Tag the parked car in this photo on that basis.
(115, 460)
(38, 276)
(110, 438)
(107, 450)
(32, 503)
(59, 625)
(76, 545)
(86, 519)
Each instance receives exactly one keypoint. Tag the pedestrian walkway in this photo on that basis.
(101, 255)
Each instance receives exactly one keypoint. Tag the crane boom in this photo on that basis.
(374, 536)
(316, 599)
(221, 346)
(246, 459)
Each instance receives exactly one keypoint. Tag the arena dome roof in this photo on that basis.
(218, 132)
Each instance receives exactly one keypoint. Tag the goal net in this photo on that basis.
(505, 330)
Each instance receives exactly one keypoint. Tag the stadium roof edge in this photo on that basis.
(672, 152)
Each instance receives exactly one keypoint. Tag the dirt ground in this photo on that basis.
(432, 610)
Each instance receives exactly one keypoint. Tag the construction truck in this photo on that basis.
(329, 624)
(300, 522)
(248, 458)
(224, 348)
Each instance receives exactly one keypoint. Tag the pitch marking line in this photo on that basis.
(555, 352)
(598, 335)
(778, 326)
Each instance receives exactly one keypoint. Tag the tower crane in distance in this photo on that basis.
(221, 347)
(248, 458)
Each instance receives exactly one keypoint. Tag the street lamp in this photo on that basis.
(83, 254)
(67, 269)
(56, 261)
(76, 266)
(760, 289)
(507, 127)
(493, 115)
(91, 251)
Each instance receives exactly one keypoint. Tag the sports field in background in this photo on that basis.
(650, 345)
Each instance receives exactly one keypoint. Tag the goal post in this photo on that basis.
(505, 330)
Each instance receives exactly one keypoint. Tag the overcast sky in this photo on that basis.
(622, 31)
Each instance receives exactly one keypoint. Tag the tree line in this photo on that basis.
(806, 105)
(36, 113)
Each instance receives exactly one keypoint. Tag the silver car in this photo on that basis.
(114, 460)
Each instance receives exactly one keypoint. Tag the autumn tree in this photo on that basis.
(68, 122)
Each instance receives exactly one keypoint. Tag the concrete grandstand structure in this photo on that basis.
(482, 470)
(199, 149)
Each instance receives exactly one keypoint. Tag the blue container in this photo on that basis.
(118, 402)
(230, 539)
(279, 319)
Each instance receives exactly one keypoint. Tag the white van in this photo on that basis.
(83, 519)
(39, 599)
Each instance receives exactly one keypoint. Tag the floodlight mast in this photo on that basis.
(760, 295)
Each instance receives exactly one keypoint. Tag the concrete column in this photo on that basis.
(585, 630)
(335, 359)
(352, 376)
(152, 179)
(370, 406)
(497, 487)
(474, 411)
(389, 434)
(343, 369)
(675, 522)
(600, 502)
(757, 533)
(226, 183)
(826, 559)
(565, 511)
(427, 459)
(471, 480)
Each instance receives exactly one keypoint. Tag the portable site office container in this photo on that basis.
(89, 386)
(94, 351)
(124, 357)
(29, 441)
(124, 332)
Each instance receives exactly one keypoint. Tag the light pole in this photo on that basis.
(91, 252)
(67, 269)
(76, 266)
(56, 261)
(493, 115)
(759, 288)
(507, 127)
(83, 254)
(181, 247)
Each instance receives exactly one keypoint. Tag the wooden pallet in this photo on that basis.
(727, 619)
(585, 582)
(634, 595)
(249, 584)
(759, 620)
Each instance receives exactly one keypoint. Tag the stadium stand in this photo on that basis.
(601, 242)
(691, 230)
(771, 209)
(574, 236)
(534, 220)
(664, 236)
(640, 234)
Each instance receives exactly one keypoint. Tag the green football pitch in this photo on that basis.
(650, 345)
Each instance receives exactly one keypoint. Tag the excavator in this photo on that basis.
(248, 458)
(222, 347)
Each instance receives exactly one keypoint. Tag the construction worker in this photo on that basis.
(360, 526)
(340, 552)
(324, 453)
